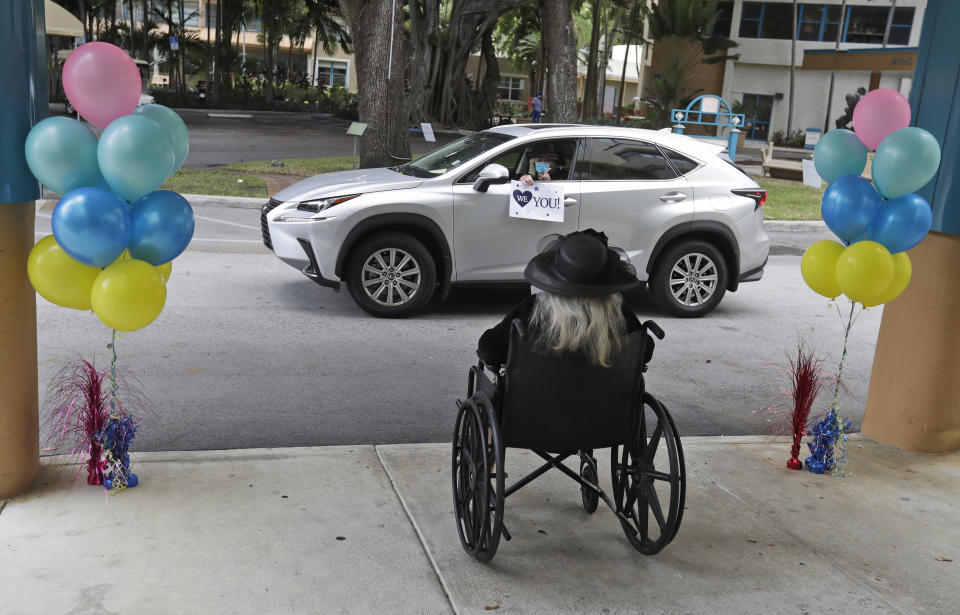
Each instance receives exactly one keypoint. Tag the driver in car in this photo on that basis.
(541, 165)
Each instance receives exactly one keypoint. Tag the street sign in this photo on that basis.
(678, 116)
(427, 129)
(174, 43)
(356, 129)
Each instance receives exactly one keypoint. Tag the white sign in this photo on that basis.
(356, 129)
(709, 105)
(427, 129)
(540, 201)
(810, 175)
(812, 137)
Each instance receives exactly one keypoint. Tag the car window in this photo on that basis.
(681, 163)
(452, 155)
(522, 159)
(626, 159)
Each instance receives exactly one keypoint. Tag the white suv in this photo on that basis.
(689, 220)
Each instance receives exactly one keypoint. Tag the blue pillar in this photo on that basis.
(24, 99)
(732, 139)
(935, 102)
(23, 102)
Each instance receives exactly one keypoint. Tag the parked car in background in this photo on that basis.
(689, 220)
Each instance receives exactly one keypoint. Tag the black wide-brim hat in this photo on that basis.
(581, 265)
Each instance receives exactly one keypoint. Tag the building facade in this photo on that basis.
(760, 78)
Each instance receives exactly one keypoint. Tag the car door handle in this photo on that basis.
(567, 202)
(673, 197)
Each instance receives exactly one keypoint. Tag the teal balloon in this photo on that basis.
(62, 154)
(135, 156)
(171, 124)
(839, 152)
(905, 161)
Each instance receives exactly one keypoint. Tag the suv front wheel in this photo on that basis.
(391, 275)
(689, 279)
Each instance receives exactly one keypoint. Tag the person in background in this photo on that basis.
(537, 107)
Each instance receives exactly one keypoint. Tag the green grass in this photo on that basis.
(215, 182)
(788, 200)
(298, 167)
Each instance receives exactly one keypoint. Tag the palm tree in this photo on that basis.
(683, 31)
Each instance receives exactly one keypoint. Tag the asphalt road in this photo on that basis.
(215, 141)
(250, 353)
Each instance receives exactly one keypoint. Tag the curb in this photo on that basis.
(795, 226)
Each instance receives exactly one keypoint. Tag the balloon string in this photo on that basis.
(113, 375)
(841, 436)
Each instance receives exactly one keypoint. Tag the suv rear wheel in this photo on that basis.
(689, 279)
(391, 275)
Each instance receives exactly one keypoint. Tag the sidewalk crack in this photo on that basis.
(420, 536)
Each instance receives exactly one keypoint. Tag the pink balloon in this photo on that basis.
(878, 114)
(102, 82)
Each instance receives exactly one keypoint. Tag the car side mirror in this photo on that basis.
(489, 175)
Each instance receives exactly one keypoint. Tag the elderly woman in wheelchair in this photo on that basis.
(562, 375)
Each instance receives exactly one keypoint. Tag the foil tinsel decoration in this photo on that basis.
(115, 438)
(828, 448)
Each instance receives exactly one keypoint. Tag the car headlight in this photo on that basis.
(307, 211)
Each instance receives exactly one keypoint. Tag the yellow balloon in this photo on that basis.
(864, 271)
(902, 272)
(128, 295)
(165, 270)
(58, 278)
(819, 267)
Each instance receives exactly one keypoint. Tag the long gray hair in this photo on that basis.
(594, 326)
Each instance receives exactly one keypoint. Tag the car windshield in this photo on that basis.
(450, 156)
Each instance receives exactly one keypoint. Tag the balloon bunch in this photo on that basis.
(877, 222)
(114, 233)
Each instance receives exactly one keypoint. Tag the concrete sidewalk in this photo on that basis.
(364, 529)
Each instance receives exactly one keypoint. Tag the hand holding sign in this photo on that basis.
(538, 202)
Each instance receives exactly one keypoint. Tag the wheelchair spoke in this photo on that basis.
(651, 447)
(653, 501)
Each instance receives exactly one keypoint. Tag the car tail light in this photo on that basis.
(759, 196)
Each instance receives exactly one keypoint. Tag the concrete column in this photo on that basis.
(914, 397)
(23, 102)
(19, 430)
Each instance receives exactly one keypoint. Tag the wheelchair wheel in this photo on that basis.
(589, 497)
(649, 482)
(478, 478)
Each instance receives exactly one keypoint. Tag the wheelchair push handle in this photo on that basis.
(654, 328)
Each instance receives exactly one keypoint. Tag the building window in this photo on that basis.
(191, 14)
(766, 20)
(511, 88)
(331, 73)
(211, 15)
(821, 22)
(721, 27)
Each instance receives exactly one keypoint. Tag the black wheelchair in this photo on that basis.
(558, 405)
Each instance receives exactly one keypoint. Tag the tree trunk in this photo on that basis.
(561, 50)
(373, 24)
(589, 106)
(793, 69)
(623, 79)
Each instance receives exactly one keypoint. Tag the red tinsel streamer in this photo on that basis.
(806, 380)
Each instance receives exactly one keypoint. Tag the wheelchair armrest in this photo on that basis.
(654, 328)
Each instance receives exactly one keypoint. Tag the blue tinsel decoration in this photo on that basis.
(115, 439)
(826, 434)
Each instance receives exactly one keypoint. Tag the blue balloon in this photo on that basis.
(172, 125)
(838, 153)
(162, 227)
(905, 161)
(902, 223)
(848, 206)
(135, 156)
(62, 154)
(92, 226)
